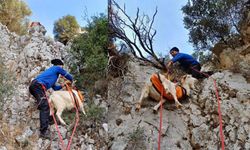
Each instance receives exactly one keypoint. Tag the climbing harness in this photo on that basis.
(157, 84)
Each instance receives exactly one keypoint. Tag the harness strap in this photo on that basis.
(158, 75)
(158, 89)
(76, 116)
(75, 99)
(184, 91)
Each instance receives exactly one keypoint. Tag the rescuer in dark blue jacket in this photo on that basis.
(38, 87)
(188, 63)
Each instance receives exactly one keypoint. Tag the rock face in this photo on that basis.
(25, 57)
(237, 60)
(195, 126)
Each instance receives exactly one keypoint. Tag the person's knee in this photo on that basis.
(44, 104)
(45, 110)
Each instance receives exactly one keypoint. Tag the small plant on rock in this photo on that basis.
(136, 139)
(95, 112)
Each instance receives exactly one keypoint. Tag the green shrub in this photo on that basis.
(89, 50)
(95, 112)
(65, 28)
(14, 14)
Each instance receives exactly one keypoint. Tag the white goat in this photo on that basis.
(149, 90)
(62, 100)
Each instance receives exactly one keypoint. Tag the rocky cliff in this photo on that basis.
(195, 126)
(236, 59)
(25, 57)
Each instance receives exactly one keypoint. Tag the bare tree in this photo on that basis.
(141, 41)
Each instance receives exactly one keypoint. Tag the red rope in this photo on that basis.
(159, 136)
(58, 131)
(220, 117)
(219, 109)
(77, 117)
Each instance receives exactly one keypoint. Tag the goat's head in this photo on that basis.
(188, 82)
(188, 79)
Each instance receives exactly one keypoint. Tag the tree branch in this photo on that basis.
(141, 43)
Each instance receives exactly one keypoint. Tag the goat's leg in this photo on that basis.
(51, 108)
(144, 94)
(52, 111)
(156, 107)
(58, 114)
(177, 103)
(82, 109)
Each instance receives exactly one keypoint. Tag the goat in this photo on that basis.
(170, 89)
(62, 100)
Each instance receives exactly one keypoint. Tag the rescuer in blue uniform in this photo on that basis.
(40, 84)
(188, 63)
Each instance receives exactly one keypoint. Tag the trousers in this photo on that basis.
(38, 92)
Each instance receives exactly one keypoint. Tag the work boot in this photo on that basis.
(210, 73)
(45, 135)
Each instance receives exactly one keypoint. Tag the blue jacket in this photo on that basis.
(49, 77)
(185, 60)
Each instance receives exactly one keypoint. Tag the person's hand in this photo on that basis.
(69, 83)
(169, 67)
(169, 64)
(62, 85)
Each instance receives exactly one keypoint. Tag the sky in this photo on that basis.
(48, 11)
(168, 21)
